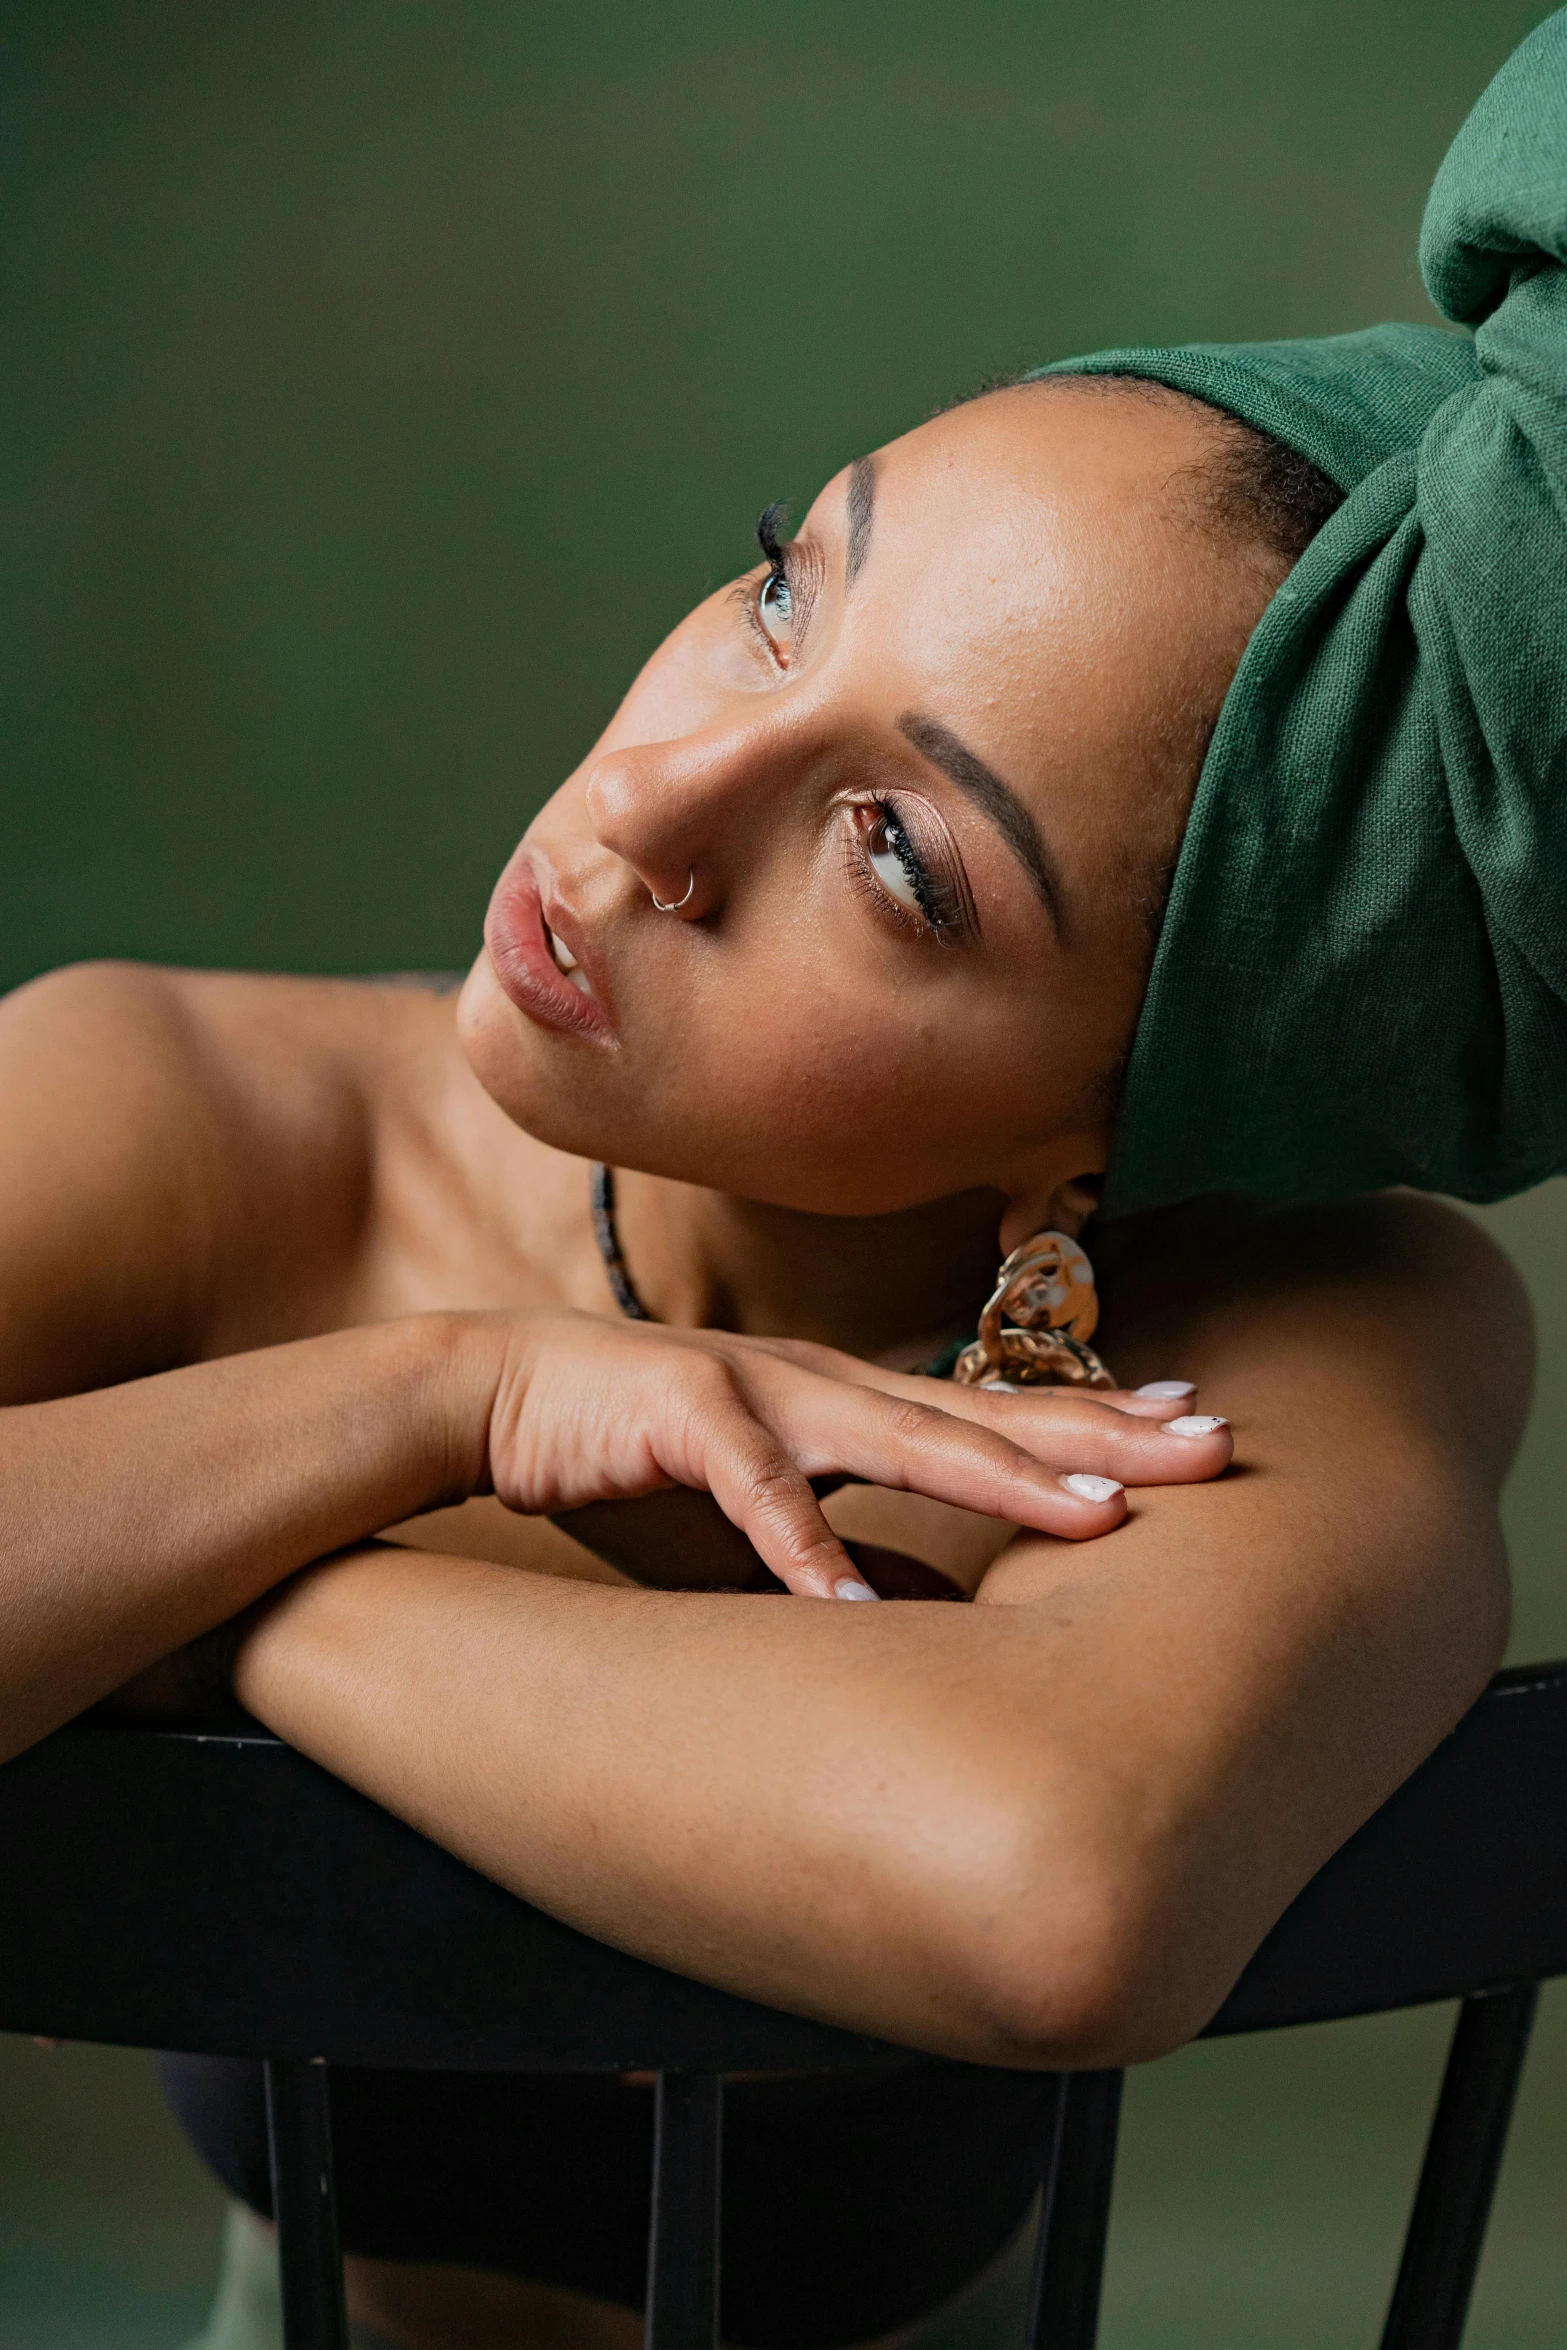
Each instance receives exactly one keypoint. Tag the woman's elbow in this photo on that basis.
(1079, 1962)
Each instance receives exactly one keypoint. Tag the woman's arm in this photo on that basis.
(144, 1502)
(144, 1505)
(1046, 1829)
(139, 1516)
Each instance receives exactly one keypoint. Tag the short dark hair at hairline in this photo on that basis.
(1259, 489)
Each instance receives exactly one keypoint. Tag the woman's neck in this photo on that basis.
(877, 1286)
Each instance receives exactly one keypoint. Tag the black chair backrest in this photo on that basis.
(216, 1893)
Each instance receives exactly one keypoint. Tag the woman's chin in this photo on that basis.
(479, 996)
(521, 1065)
(510, 1055)
(487, 1030)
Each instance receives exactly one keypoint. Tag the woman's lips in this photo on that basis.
(519, 943)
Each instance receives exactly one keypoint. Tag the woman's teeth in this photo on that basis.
(566, 961)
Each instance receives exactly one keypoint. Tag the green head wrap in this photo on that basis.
(1362, 975)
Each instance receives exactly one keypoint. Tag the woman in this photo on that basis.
(838, 947)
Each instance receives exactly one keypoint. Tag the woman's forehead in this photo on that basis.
(1039, 490)
(1025, 536)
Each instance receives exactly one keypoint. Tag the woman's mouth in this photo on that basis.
(537, 969)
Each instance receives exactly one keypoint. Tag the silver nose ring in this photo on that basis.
(674, 904)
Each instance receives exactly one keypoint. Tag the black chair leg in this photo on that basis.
(1458, 2177)
(1074, 2214)
(304, 2200)
(682, 2245)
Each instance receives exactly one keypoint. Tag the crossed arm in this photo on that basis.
(1048, 1828)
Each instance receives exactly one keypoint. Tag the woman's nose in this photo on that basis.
(668, 810)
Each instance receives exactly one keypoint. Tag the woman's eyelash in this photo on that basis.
(938, 903)
(768, 524)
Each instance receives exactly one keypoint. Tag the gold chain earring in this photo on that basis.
(1045, 1290)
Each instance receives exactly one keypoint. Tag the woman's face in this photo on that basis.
(910, 786)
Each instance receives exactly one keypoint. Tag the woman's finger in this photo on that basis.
(754, 1445)
(1182, 1449)
(1160, 1399)
(765, 1493)
(1061, 1429)
(1169, 1395)
(1157, 1399)
(911, 1445)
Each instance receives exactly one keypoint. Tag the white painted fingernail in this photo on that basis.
(1194, 1424)
(1002, 1387)
(1169, 1389)
(850, 1589)
(1089, 1488)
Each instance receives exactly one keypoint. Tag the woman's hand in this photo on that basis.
(586, 1411)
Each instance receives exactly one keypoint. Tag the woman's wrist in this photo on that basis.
(463, 1357)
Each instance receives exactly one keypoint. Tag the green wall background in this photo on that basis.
(383, 379)
(380, 382)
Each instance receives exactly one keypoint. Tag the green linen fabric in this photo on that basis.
(1362, 975)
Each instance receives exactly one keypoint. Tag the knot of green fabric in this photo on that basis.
(1362, 975)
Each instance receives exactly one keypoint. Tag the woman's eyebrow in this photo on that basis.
(995, 800)
(861, 514)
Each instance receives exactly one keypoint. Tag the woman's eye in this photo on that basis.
(775, 609)
(892, 862)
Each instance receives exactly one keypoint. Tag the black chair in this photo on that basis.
(214, 1892)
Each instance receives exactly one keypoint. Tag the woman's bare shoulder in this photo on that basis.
(168, 1135)
(1401, 1286)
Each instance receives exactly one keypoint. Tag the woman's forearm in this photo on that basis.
(136, 1517)
(816, 1806)
(1046, 1831)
